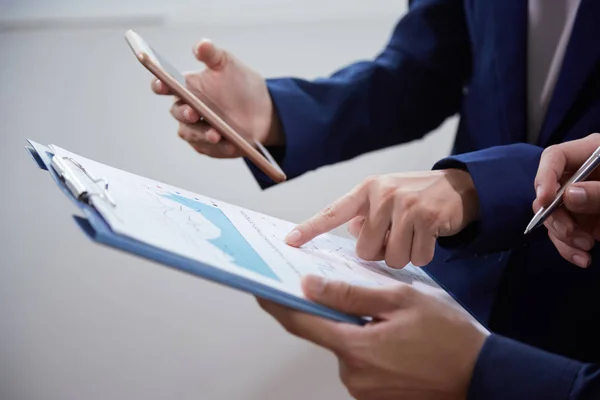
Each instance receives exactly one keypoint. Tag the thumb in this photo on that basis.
(209, 54)
(351, 299)
(583, 197)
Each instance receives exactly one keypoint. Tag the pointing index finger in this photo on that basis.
(337, 213)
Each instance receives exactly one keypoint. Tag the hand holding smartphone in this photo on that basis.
(210, 112)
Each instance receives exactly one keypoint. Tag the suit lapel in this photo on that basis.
(581, 56)
(509, 22)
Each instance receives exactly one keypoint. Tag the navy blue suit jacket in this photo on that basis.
(469, 57)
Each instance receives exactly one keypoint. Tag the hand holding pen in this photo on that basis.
(568, 197)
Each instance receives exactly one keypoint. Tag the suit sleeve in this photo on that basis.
(507, 369)
(407, 90)
(504, 180)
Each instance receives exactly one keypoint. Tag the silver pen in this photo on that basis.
(586, 169)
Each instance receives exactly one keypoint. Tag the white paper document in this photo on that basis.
(232, 238)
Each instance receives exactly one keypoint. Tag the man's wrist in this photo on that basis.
(275, 136)
(463, 183)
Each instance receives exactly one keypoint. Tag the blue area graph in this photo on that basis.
(231, 240)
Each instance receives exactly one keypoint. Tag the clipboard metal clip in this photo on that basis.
(80, 182)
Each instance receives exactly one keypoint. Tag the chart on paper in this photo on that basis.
(326, 255)
(228, 240)
(232, 238)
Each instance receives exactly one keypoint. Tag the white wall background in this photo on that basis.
(79, 321)
(203, 12)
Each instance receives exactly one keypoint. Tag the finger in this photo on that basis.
(561, 224)
(184, 113)
(556, 160)
(213, 151)
(562, 228)
(214, 137)
(194, 133)
(352, 299)
(583, 197)
(355, 225)
(371, 240)
(536, 205)
(332, 216)
(399, 245)
(552, 165)
(578, 257)
(220, 150)
(565, 228)
(423, 246)
(213, 57)
(426, 222)
(198, 136)
(160, 88)
(202, 132)
(320, 331)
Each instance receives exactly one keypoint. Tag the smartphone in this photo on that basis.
(175, 81)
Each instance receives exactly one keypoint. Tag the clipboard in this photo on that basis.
(79, 186)
(90, 193)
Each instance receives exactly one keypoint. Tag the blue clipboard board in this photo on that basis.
(96, 228)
